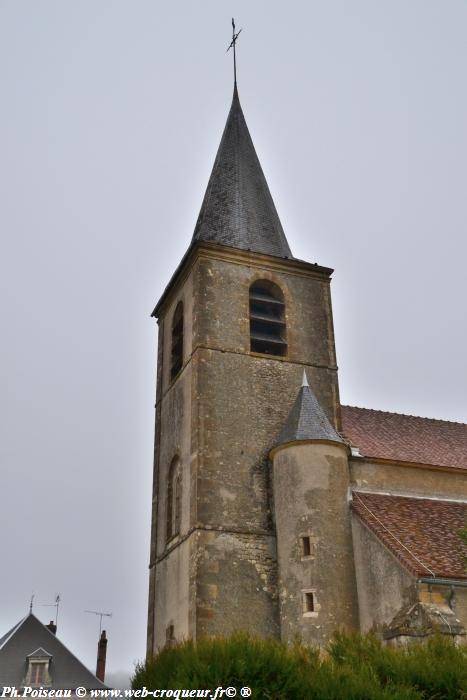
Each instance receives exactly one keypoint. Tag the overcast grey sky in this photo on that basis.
(111, 114)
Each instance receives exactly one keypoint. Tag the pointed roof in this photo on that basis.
(39, 652)
(27, 638)
(238, 209)
(307, 420)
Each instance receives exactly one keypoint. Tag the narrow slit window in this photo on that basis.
(309, 602)
(267, 319)
(174, 499)
(170, 635)
(306, 547)
(177, 341)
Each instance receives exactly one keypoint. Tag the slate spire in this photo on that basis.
(307, 420)
(238, 209)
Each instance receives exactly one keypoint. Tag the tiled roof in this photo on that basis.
(238, 209)
(393, 436)
(422, 533)
(307, 420)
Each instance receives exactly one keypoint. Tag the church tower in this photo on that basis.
(239, 322)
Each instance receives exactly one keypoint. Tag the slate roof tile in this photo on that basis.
(25, 638)
(238, 209)
(307, 420)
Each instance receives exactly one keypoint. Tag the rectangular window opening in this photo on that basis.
(306, 546)
(37, 673)
(309, 602)
(170, 635)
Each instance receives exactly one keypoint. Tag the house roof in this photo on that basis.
(393, 436)
(25, 638)
(307, 420)
(10, 632)
(422, 533)
(238, 209)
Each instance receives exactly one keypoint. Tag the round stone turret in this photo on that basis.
(314, 544)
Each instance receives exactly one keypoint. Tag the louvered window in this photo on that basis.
(267, 319)
(177, 341)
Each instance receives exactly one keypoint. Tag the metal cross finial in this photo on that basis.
(232, 45)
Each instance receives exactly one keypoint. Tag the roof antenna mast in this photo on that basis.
(101, 615)
(31, 603)
(53, 605)
(232, 46)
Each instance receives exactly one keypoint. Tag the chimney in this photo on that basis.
(101, 656)
(52, 627)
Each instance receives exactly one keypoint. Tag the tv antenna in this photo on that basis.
(53, 605)
(31, 603)
(101, 615)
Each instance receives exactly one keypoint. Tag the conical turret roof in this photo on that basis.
(307, 420)
(238, 209)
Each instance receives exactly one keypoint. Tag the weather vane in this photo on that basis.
(232, 45)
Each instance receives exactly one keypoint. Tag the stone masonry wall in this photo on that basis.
(310, 500)
(394, 478)
(243, 400)
(384, 587)
(221, 416)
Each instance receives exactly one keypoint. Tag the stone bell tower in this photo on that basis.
(239, 321)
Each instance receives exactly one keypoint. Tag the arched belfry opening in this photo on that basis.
(268, 333)
(177, 341)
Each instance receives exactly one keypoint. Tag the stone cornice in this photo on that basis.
(361, 459)
(236, 256)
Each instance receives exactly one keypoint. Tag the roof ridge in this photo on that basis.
(385, 494)
(404, 415)
(6, 638)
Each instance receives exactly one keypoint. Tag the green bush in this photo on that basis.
(269, 668)
(357, 667)
(437, 669)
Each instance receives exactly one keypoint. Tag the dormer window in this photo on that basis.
(177, 341)
(38, 668)
(267, 319)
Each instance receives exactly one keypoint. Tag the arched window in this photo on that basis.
(174, 499)
(177, 341)
(267, 319)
